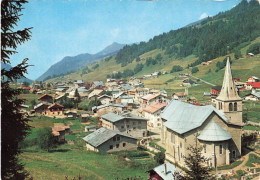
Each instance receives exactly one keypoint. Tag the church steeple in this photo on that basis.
(228, 91)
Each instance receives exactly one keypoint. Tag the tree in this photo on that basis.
(237, 54)
(254, 48)
(194, 163)
(33, 102)
(159, 157)
(14, 125)
(26, 84)
(176, 69)
(45, 138)
(194, 70)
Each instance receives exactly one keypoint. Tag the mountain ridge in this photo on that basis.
(72, 63)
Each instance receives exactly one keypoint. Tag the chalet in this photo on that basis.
(236, 79)
(46, 98)
(203, 63)
(128, 123)
(59, 132)
(164, 172)
(71, 114)
(126, 87)
(107, 140)
(55, 109)
(180, 96)
(23, 107)
(127, 100)
(217, 130)
(85, 117)
(188, 82)
(209, 62)
(90, 128)
(215, 90)
(106, 108)
(207, 94)
(95, 93)
(253, 79)
(150, 98)
(152, 112)
(250, 55)
(79, 83)
(254, 96)
(42, 108)
(104, 99)
(98, 84)
(87, 85)
(60, 90)
(253, 85)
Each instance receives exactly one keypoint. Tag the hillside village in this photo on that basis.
(124, 115)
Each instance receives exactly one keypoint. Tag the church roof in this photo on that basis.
(228, 91)
(214, 132)
(182, 117)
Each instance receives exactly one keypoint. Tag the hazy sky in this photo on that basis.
(71, 27)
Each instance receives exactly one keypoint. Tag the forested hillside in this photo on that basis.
(215, 36)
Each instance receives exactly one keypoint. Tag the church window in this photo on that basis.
(220, 149)
(205, 150)
(230, 107)
(173, 138)
(234, 154)
(235, 107)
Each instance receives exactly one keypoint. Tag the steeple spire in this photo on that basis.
(228, 91)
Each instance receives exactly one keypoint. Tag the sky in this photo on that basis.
(71, 27)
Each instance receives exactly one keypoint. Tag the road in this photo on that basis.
(203, 81)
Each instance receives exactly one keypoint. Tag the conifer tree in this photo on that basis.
(14, 125)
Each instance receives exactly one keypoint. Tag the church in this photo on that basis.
(217, 129)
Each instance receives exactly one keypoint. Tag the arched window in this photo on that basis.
(230, 107)
(235, 107)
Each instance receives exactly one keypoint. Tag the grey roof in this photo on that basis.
(182, 117)
(98, 83)
(127, 97)
(257, 94)
(104, 95)
(127, 86)
(160, 170)
(112, 117)
(214, 132)
(102, 135)
(60, 89)
(40, 104)
(107, 105)
(79, 82)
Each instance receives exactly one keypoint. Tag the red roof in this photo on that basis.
(45, 95)
(154, 107)
(254, 84)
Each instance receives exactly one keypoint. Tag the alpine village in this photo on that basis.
(183, 105)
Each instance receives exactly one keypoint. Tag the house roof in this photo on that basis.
(154, 107)
(102, 135)
(85, 115)
(149, 97)
(216, 88)
(95, 92)
(104, 96)
(73, 112)
(112, 117)
(257, 94)
(107, 105)
(55, 105)
(182, 117)
(41, 104)
(214, 132)
(180, 94)
(127, 97)
(127, 86)
(98, 83)
(160, 170)
(45, 95)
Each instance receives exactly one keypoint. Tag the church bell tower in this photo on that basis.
(228, 100)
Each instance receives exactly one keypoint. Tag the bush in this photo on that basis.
(159, 157)
(45, 138)
(176, 69)
(194, 70)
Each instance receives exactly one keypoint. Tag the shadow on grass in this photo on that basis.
(59, 150)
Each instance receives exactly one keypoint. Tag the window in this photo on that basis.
(124, 144)
(219, 105)
(111, 147)
(234, 154)
(127, 126)
(133, 123)
(122, 127)
(134, 128)
(220, 149)
(181, 145)
(114, 138)
(172, 138)
(230, 107)
(139, 122)
(117, 146)
(118, 138)
(235, 106)
(205, 150)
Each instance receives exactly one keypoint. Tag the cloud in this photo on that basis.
(203, 15)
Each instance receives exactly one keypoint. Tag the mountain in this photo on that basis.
(72, 63)
(8, 67)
